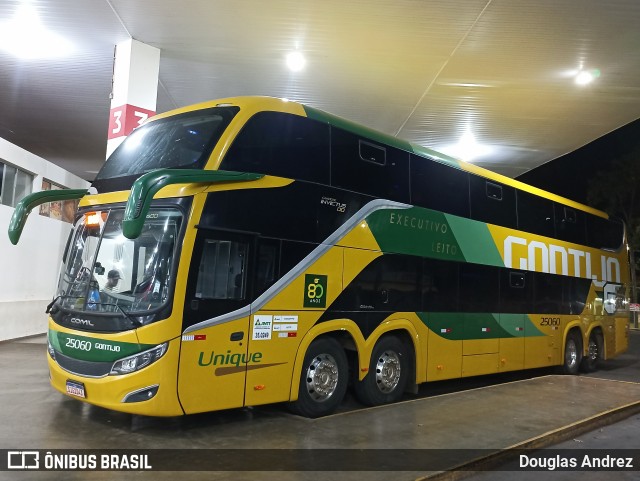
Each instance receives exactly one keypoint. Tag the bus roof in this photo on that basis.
(257, 103)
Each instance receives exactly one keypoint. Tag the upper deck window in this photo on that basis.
(492, 202)
(570, 224)
(181, 141)
(281, 144)
(362, 165)
(439, 187)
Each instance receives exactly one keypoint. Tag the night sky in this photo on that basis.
(569, 175)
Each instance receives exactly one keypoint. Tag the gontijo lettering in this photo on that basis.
(546, 256)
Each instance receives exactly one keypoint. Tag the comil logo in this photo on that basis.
(315, 290)
(23, 460)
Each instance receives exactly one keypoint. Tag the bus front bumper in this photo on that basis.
(150, 391)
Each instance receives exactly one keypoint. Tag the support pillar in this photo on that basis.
(135, 89)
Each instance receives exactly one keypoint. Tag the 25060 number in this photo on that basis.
(550, 321)
(78, 344)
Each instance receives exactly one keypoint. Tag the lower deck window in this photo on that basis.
(222, 270)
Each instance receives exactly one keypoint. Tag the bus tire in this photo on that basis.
(323, 380)
(591, 361)
(572, 353)
(388, 373)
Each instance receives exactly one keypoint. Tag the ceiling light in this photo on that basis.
(24, 36)
(585, 77)
(467, 148)
(296, 61)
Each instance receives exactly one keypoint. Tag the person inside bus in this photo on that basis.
(113, 277)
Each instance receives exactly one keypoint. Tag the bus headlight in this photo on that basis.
(138, 361)
(52, 351)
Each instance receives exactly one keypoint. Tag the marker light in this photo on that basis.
(93, 219)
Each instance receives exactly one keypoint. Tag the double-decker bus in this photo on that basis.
(253, 250)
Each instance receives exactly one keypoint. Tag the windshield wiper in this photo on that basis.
(133, 320)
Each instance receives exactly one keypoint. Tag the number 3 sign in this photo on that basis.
(123, 119)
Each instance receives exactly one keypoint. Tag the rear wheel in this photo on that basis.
(572, 353)
(596, 353)
(388, 373)
(324, 378)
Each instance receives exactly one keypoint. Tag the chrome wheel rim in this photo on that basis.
(593, 350)
(388, 371)
(571, 356)
(322, 377)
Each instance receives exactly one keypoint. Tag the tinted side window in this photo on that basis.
(492, 202)
(291, 253)
(266, 272)
(570, 224)
(516, 289)
(220, 276)
(281, 144)
(603, 233)
(575, 294)
(390, 283)
(479, 288)
(362, 165)
(439, 187)
(548, 293)
(222, 273)
(535, 214)
(439, 286)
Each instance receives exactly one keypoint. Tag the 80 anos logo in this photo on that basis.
(315, 291)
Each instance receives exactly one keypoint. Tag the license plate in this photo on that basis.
(75, 389)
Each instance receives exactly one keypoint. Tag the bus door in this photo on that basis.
(213, 360)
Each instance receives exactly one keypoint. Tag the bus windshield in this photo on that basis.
(181, 141)
(104, 272)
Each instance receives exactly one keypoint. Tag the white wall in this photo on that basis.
(29, 270)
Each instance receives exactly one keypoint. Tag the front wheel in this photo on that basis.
(388, 373)
(572, 353)
(324, 378)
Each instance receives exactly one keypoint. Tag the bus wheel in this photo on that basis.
(595, 355)
(572, 353)
(324, 379)
(388, 373)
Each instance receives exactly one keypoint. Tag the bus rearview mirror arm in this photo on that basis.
(147, 185)
(26, 205)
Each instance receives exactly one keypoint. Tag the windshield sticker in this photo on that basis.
(285, 327)
(262, 328)
(288, 319)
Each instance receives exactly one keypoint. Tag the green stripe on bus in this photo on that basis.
(456, 326)
(464, 326)
(91, 349)
(476, 241)
(415, 231)
(428, 233)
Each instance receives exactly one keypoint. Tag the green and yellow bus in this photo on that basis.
(253, 250)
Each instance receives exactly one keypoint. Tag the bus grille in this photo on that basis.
(83, 368)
